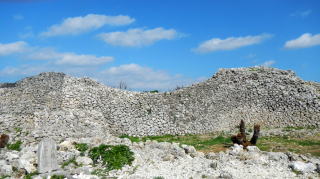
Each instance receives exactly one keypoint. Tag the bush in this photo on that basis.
(114, 157)
(82, 147)
(15, 146)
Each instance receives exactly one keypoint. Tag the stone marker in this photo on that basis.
(47, 156)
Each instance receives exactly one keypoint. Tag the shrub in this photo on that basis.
(57, 177)
(114, 157)
(15, 146)
(29, 175)
(82, 147)
(72, 160)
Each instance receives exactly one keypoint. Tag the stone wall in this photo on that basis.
(66, 106)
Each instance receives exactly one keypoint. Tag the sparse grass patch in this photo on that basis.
(29, 175)
(70, 161)
(15, 146)
(114, 157)
(158, 177)
(82, 148)
(132, 139)
(57, 177)
(200, 142)
(286, 143)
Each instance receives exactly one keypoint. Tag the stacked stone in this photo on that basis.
(54, 104)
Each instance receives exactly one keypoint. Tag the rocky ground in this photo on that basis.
(158, 160)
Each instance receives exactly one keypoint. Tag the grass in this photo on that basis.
(15, 146)
(57, 177)
(82, 148)
(308, 144)
(290, 128)
(70, 161)
(200, 142)
(114, 157)
(213, 143)
(29, 175)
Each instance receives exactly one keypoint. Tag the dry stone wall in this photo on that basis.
(60, 105)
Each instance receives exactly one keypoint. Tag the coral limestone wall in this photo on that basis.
(64, 105)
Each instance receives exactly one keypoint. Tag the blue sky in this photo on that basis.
(157, 44)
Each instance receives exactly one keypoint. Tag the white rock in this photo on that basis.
(5, 169)
(10, 156)
(84, 176)
(28, 161)
(236, 149)
(84, 160)
(253, 149)
(302, 166)
(66, 145)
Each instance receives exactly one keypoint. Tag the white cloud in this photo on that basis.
(302, 14)
(15, 47)
(268, 63)
(230, 43)
(138, 37)
(18, 17)
(139, 77)
(305, 40)
(81, 24)
(68, 58)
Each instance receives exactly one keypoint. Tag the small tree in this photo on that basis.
(123, 85)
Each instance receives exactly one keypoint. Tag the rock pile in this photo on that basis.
(54, 104)
(166, 160)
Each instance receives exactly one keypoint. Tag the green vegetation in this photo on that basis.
(200, 142)
(154, 91)
(114, 157)
(290, 128)
(82, 147)
(17, 129)
(57, 177)
(214, 143)
(5, 176)
(68, 162)
(15, 146)
(132, 139)
(158, 177)
(304, 145)
(29, 175)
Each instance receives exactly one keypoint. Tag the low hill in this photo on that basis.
(59, 105)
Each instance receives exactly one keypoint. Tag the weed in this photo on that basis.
(29, 175)
(132, 139)
(100, 172)
(82, 147)
(68, 162)
(57, 177)
(154, 91)
(17, 129)
(158, 177)
(149, 111)
(15, 146)
(114, 157)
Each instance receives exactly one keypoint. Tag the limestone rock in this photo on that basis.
(47, 159)
(302, 167)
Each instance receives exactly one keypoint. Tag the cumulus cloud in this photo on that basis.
(139, 77)
(81, 24)
(14, 47)
(138, 37)
(230, 43)
(68, 58)
(304, 41)
(268, 63)
(302, 14)
(18, 17)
